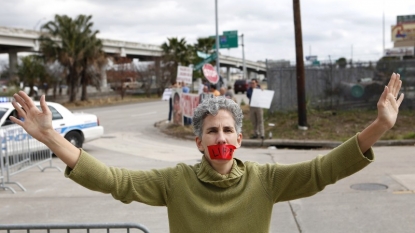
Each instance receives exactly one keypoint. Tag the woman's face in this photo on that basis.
(219, 129)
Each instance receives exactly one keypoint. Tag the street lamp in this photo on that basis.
(38, 22)
(217, 40)
(243, 58)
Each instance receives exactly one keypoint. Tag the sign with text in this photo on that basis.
(167, 94)
(399, 52)
(311, 58)
(177, 110)
(261, 98)
(184, 74)
(228, 40)
(188, 104)
(405, 19)
(210, 73)
(403, 32)
(207, 60)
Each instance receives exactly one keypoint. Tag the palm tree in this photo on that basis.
(204, 45)
(93, 62)
(175, 52)
(71, 42)
(32, 70)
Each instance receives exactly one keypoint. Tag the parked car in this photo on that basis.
(76, 127)
(126, 84)
(35, 94)
(240, 85)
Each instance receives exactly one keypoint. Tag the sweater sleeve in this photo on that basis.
(149, 187)
(288, 182)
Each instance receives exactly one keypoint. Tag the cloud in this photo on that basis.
(351, 29)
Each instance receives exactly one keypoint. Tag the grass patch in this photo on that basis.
(322, 125)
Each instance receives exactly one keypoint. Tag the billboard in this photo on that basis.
(402, 32)
(400, 19)
(399, 51)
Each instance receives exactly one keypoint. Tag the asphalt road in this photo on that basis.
(379, 198)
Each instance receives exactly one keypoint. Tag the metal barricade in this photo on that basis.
(20, 152)
(133, 227)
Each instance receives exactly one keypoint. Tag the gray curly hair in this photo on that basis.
(211, 106)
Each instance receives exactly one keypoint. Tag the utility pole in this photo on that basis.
(383, 28)
(243, 58)
(302, 112)
(217, 43)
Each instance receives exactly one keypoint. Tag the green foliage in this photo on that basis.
(243, 102)
(31, 70)
(341, 62)
(73, 44)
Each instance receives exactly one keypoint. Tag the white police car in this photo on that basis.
(76, 127)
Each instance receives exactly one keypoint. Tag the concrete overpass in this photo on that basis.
(15, 40)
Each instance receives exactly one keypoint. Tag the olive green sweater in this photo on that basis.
(199, 199)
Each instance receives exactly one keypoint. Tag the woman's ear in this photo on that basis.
(199, 144)
(239, 140)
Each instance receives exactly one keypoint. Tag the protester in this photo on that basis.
(222, 91)
(171, 102)
(203, 96)
(221, 193)
(229, 93)
(256, 114)
(186, 120)
(213, 90)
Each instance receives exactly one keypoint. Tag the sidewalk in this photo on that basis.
(388, 207)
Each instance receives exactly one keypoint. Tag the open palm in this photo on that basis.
(388, 104)
(35, 122)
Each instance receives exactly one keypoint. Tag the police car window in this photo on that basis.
(55, 114)
(2, 112)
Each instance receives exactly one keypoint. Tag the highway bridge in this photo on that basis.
(15, 40)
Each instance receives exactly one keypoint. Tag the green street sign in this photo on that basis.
(228, 40)
(230, 32)
(207, 60)
(316, 63)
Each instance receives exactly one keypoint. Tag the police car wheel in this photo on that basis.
(75, 138)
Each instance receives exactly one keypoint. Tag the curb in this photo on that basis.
(301, 144)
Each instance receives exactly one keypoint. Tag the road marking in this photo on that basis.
(404, 192)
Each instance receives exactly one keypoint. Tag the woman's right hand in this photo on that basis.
(37, 123)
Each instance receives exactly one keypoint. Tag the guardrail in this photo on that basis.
(20, 152)
(78, 226)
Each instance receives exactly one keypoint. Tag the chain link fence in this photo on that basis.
(331, 87)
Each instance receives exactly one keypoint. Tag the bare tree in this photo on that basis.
(120, 72)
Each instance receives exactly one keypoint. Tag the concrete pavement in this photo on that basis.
(379, 198)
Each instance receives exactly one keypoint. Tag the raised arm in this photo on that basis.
(388, 108)
(38, 123)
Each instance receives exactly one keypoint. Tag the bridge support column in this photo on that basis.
(104, 83)
(249, 74)
(228, 74)
(158, 74)
(12, 63)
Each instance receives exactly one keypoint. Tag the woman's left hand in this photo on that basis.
(389, 102)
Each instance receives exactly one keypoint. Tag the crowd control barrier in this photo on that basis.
(20, 152)
(85, 227)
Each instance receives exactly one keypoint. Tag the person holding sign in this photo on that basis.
(256, 114)
(221, 193)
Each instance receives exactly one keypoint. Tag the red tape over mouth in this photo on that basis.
(222, 152)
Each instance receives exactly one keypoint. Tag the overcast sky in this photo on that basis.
(330, 28)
